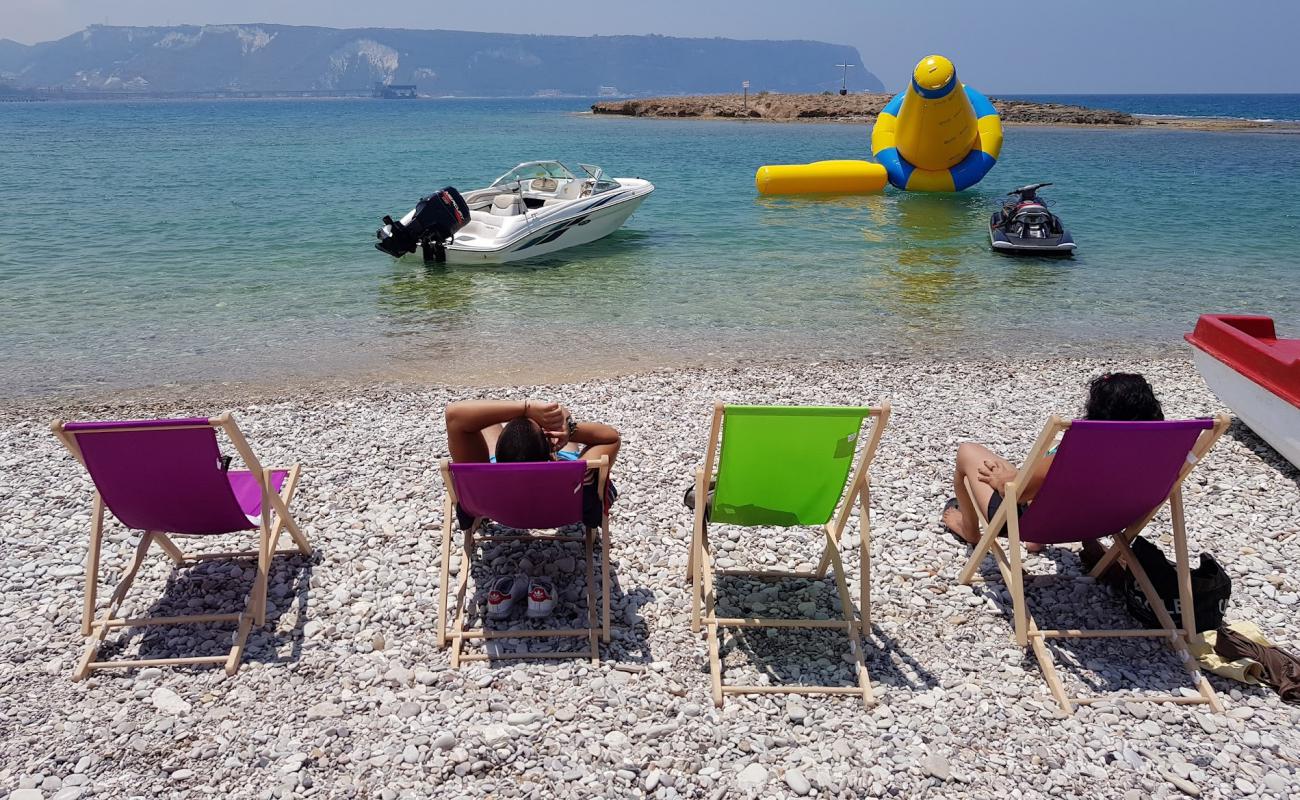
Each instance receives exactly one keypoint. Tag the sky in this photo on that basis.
(998, 46)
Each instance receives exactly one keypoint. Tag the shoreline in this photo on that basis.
(863, 109)
(218, 394)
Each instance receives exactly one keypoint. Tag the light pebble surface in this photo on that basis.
(345, 694)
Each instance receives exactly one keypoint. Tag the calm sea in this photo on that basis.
(151, 243)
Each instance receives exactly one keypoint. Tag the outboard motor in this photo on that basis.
(434, 222)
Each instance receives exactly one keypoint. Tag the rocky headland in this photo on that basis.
(865, 107)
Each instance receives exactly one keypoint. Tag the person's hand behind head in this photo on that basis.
(549, 416)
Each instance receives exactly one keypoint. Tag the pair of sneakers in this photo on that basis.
(508, 591)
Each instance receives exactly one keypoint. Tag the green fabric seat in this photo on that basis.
(784, 465)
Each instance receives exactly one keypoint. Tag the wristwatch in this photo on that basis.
(572, 424)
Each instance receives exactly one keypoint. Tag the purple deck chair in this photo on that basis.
(165, 477)
(525, 497)
(1106, 479)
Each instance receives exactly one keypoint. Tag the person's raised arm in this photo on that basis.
(598, 439)
(466, 420)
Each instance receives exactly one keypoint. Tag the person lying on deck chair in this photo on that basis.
(511, 431)
(1118, 396)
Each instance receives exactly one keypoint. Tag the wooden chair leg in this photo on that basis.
(444, 577)
(704, 566)
(462, 585)
(1017, 586)
(115, 602)
(92, 563)
(851, 624)
(257, 595)
(173, 552)
(604, 579)
(864, 559)
(1185, 599)
(1177, 636)
(593, 625)
(987, 539)
(281, 503)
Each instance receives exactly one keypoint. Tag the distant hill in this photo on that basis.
(187, 58)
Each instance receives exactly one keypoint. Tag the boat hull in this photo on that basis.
(1271, 418)
(585, 224)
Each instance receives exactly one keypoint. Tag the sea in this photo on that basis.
(180, 243)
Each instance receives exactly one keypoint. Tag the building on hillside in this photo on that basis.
(396, 91)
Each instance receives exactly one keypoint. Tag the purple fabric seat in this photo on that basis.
(165, 475)
(1107, 476)
(544, 494)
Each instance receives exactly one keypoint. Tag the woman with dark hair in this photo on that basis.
(1116, 396)
(512, 431)
(524, 430)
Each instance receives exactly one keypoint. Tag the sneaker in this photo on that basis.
(505, 592)
(541, 597)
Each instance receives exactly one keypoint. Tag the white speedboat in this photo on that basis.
(1254, 373)
(535, 209)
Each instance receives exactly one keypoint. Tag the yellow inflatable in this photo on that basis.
(937, 135)
(821, 177)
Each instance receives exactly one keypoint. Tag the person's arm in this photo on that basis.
(466, 420)
(998, 474)
(598, 439)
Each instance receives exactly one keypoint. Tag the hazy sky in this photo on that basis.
(998, 46)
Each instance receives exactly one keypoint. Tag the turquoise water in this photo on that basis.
(152, 243)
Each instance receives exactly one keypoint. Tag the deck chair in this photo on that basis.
(785, 466)
(167, 477)
(1107, 479)
(525, 497)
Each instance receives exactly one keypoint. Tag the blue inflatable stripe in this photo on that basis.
(980, 103)
(894, 105)
(898, 170)
(971, 169)
(935, 94)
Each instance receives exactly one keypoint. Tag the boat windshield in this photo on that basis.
(533, 170)
(597, 176)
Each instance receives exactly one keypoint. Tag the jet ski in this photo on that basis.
(1024, 225)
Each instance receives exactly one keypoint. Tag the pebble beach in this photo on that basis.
(344, 692)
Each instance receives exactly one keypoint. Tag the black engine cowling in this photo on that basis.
(436, 219)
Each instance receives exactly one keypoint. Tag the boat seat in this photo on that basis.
(507, 205)
(544, 184)
(571, 190)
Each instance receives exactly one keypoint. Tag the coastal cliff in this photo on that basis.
(284, 58)
(834, 107)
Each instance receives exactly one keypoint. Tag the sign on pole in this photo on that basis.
(745, 86)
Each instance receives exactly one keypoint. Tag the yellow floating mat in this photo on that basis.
(821, 177)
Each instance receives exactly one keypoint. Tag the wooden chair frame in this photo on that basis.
(700, 573)
(1026, 631)
(597, 629)
(254, 612)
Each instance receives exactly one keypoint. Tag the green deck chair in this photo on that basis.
(785, 466)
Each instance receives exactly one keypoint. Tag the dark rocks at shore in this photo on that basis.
(854, 107)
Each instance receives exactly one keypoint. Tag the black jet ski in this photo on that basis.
(1024, 225)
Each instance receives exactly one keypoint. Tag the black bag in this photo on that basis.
(1211, 588)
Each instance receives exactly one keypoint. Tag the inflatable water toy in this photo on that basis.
(821, 177)
(938, 135)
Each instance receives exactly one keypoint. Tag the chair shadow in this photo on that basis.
(768, 651)
(208, 588)
(562, 562)
(1250, 440)
(1102, 666)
